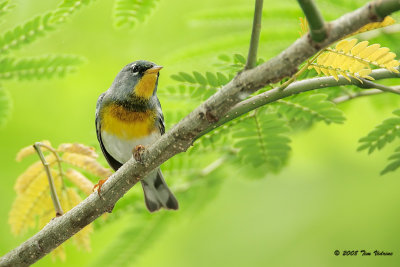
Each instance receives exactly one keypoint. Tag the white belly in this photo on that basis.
(121, 149)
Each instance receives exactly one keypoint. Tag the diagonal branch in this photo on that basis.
(181, 136)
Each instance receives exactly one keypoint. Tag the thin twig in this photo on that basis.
(315, 20)
(368, 84)
(344, 98)
(53, 192)
(255, 35)
(52, 150)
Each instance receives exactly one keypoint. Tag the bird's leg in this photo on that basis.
(138, 152)
(99, 185)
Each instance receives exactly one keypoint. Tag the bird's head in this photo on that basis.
(137, 79)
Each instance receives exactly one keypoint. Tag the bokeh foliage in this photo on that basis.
(194, 77)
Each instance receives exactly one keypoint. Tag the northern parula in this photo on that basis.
(129, 114)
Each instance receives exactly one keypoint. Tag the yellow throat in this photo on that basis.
(127, 124)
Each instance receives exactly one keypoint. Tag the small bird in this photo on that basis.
(129, 115)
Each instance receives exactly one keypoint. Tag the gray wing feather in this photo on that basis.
(111, 161)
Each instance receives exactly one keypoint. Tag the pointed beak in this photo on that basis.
(154, 69)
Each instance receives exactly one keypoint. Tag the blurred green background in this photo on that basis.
(328, 197)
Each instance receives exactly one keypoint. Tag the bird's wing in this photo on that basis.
(111, 161)
(160, 118)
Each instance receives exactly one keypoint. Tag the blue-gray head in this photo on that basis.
(137, 79)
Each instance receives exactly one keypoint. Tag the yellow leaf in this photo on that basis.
(379, 53)
(36, 169)
(317, 69)
(334, 74)
(59, 252)
(78, 148)
(359, 47)
(364, 72)
(80, 181)
(22, 212)
(29, 150)
(345, 75)
(325, 71)
(346, 46)
(369, 50)
(355, 77)
(376, 25)
(386, 58)
(322, 58)
(86, 163)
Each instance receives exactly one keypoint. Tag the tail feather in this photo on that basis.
(156, 192)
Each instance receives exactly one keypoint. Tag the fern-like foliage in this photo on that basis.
(262, 140)
(394, 162)
(383, 134)
(5, 106)
(38, 67)
(129, 12)
(350, 58)
(5, 7)
(25, 34)
(33, 202)
(66, 9)
(309, 108)
(200, 86)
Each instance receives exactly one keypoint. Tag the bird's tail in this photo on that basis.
(156, 192)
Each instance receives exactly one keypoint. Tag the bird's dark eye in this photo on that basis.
(135, 68)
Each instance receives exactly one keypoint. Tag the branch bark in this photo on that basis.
(181, 136)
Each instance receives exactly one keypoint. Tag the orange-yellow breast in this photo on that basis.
(127, 124)
(146, 85)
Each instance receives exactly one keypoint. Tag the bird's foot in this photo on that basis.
(138, 152)
(99, 185)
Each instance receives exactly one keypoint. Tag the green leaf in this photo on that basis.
(129, 12)
(382, 134)
(38, 67)
(212, 79)
(310, 107)
(5, 7)
(238, 58)
(25, 34)
(5, 106)
(200, 78)
(187, 77)
(394, 162)
(262, 140)
(66, 9)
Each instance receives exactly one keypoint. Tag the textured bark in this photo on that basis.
(181, 136)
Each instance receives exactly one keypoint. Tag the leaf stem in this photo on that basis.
(53, 192)
(303, 69)
(255, 36)
(315, 20)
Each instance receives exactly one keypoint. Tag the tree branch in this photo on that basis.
(344, 98)
(255, 36)
(181, 136)
(295, 88)
(315, 20)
